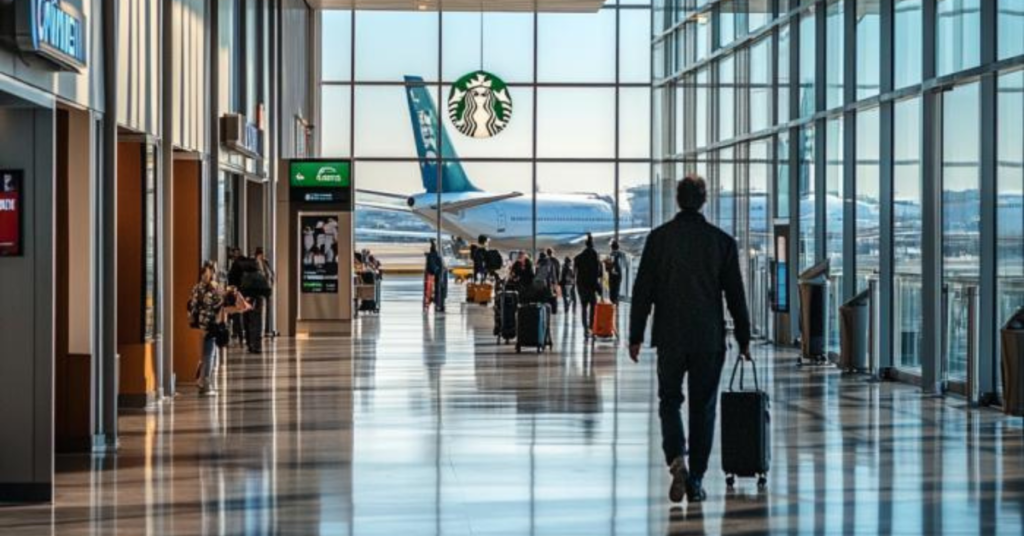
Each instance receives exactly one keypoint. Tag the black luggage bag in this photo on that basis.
(506, 305)
(746, 445)
(534, 327)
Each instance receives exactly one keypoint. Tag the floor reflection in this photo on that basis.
(421, 424)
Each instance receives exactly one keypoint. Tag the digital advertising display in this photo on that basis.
(11, 213)
(319, 254)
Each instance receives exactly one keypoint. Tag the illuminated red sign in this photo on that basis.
(10, 213)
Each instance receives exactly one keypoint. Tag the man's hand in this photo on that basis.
(634, 352)
(745, 353)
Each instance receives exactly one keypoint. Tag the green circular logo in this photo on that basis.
(479, 105)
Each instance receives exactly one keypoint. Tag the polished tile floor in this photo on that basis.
(422, 425)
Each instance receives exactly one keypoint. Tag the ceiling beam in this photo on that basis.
(551, 6)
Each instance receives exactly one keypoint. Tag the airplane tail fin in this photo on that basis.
(430, 134)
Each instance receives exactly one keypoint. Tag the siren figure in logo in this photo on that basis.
(479, 105)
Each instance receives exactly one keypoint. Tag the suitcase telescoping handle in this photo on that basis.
(739, 366)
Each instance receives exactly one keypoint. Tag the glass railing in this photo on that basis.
(907, 320)
(960, 336)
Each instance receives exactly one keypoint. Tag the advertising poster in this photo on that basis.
(10, 213)
(319, 254)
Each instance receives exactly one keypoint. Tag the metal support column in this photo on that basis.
(885, 195)
(988, 299)
(931, 228)
(165, 196)
(103, 422)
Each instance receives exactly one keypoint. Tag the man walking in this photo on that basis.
(616, 266)
(588, 284)
(687, 265)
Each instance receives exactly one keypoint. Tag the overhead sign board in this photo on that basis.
(52, 30)
(321, 181)
(320, 173)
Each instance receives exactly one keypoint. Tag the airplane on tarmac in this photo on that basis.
(506, 218)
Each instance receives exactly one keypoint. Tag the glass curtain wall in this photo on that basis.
(575, 155)
(1010, 198)
(961, 205)
(868, 197)
(765, 82)
(906, 234)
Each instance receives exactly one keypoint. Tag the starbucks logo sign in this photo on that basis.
(479, 105)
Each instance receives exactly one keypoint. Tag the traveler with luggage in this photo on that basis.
(588, 283)
(436, 272)
(234, 279)
(545, 282)
(616, 267)
(256, 287)
(208, 308)
(687, 266)
(479, 255)
(567, 283)
(556, 287)
(521, 275)
(268, 272)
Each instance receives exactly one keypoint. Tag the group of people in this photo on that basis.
(232, 311)
(583, 278)
(687, 266)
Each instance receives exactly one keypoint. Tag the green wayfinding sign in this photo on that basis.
(320, 174)
(479, 105)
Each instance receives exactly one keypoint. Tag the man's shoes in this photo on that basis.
(695, 490)
(680, 478)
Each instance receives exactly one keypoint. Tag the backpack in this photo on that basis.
(546, 271)
(494, 260)
(615, 269)
(254, 283)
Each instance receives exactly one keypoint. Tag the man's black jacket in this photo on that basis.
(687, 265)
(588, 272)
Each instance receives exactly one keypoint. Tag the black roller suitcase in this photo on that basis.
(746, 445)
(533, 327)
(505, 309)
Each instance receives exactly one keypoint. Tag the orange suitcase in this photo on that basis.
(604, 320)
(428, 290)
(482, 293)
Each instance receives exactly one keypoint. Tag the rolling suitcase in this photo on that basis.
(505, 308)
(428, 290)
(746, 446)
(533, 327)
(482, 293)
(604, 320)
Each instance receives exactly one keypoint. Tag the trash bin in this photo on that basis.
(1013, 364)
(854, 326)
(813, 289)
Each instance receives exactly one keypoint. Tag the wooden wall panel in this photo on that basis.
(137, 378)
(187, 260)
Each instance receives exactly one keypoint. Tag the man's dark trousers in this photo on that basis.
(588, 303)
(702, 373)
(254, 324)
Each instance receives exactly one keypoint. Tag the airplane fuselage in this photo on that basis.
(509, 223)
